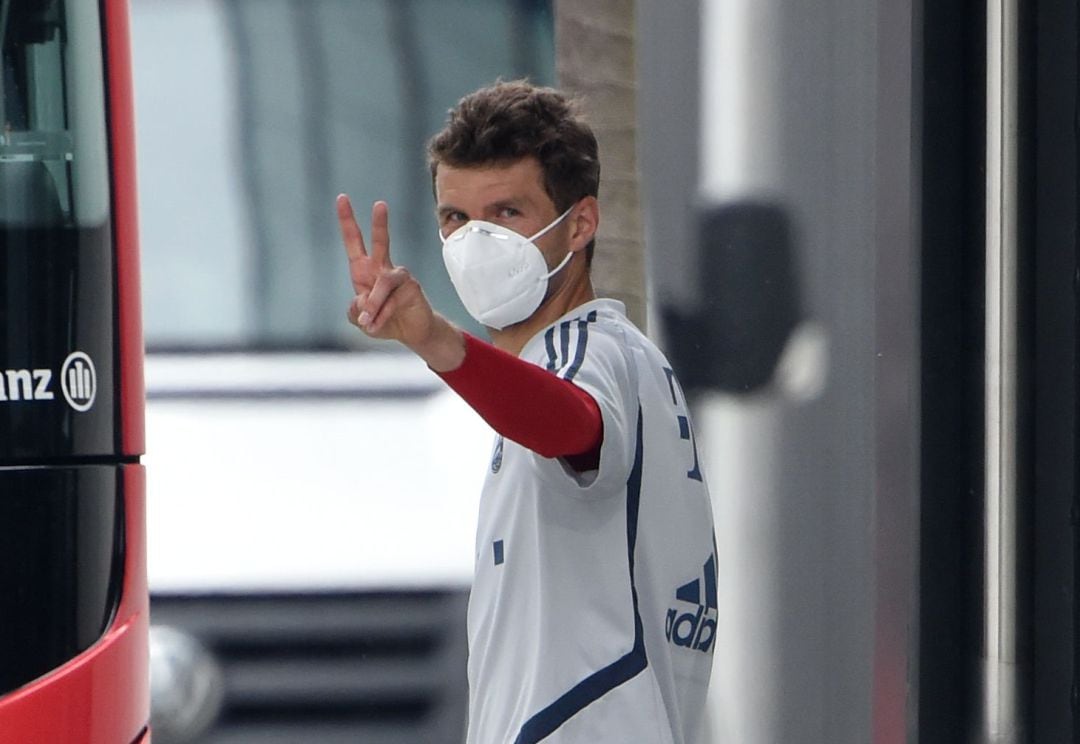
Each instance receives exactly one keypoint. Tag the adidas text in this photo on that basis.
(691, 630)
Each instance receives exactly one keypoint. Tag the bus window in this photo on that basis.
(53, 167)
(55, 224)
(254, 114)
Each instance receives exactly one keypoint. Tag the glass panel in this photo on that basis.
(53, 157)
(254, 114)
(56, 262)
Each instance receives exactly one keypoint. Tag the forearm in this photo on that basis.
(527, 404)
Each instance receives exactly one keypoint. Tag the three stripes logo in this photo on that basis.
(78, 381)
(566, 354)
(695, 628)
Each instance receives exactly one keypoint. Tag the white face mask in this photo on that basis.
(500, 275)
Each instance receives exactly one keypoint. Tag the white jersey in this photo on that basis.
(593, 611)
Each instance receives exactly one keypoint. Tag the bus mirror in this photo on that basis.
(748, 303)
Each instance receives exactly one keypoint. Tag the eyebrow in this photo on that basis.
(514, 202)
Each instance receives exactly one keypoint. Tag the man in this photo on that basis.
(593, 610)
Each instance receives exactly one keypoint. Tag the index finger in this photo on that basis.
(350, 230)
(354, 243)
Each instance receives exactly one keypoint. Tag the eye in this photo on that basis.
(453, 220)
(508, 213)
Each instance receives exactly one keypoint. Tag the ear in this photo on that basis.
(584, 221)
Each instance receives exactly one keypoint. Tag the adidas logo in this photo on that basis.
(695, 629)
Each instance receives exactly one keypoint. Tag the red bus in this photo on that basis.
(73, 597)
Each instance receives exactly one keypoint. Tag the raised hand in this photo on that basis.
(389, 302)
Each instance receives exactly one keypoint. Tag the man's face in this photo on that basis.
(511, 195)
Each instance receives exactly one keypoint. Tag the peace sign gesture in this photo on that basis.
(364, 269)
(389, 302)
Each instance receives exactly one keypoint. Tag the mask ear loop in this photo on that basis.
(569, 254)
(557, 269)
(550, 227)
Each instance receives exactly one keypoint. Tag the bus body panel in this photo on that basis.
(102, 695)
(125, 226)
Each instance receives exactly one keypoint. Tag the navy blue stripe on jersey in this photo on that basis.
(583, 339)
(549, 344)
(598, 684)
(564, 340)
(560, 358)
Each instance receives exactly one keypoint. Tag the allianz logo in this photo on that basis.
(692, 624)
(78, 383)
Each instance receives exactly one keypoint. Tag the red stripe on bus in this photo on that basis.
(125, 221)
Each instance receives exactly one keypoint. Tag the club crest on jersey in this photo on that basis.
(496, 457)
(691, 623)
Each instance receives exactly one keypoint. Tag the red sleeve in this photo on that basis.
(529, 405)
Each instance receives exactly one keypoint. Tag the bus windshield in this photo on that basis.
(254, 115)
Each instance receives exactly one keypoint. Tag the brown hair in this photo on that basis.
(511, 120)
